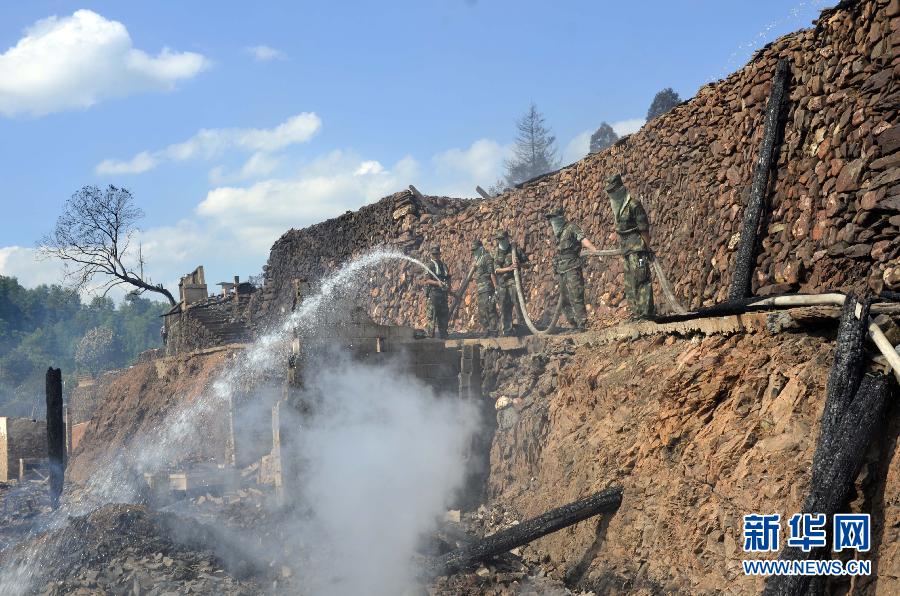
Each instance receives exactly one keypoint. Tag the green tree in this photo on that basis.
(603, 137)
(663, 101)
(43, 326)
(534, 152)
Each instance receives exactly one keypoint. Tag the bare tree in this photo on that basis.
(93, 237)
(534, 152)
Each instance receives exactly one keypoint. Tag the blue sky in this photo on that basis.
(231, 123)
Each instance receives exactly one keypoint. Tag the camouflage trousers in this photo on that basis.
(437, 314)
(571, 290)
(506, 303)
(638, 284)
(487, 312)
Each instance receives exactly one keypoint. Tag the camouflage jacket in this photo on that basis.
(568, 248)
(439, 268)
(631, 220)
(505, 259)
(484, 269)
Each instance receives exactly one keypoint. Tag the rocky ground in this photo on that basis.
(698, 430)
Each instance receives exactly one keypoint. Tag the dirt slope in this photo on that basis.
(133, 404)
(699, 433)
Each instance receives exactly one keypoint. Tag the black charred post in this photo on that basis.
(56, 434)
(854, 407)
(605, 501)
(746, 257)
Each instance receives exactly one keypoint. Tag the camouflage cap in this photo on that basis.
(613, 182)
(435, 250)
(477, 243)
(557, 212)
(501, 235)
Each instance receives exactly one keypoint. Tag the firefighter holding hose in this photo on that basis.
(437, 286)
(633, 229)
(506, 258)
(484, 286)
(570, 239)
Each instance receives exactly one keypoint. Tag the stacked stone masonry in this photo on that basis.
(834, 196)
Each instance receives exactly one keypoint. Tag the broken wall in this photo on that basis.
(834, 198)
(20, 438)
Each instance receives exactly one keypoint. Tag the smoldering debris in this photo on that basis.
(129, 549)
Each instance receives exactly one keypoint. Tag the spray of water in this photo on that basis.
(796, 17)
(391, 455)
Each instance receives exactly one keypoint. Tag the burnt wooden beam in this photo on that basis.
(416, 192)
(56, 434)
(484, 194)
(605, 501)
(745, 261)
(854, 409)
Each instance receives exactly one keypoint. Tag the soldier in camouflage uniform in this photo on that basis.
(633, 228)
(484, 287)
(438, 312)
(567, 265)
(506, 280)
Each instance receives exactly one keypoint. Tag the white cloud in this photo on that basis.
(77, 61)
(235, 224)
(212, 142)
(577, 148)
(333, 183)
(627, 127)
(483, 160)
(30, 269)
(263, 53)
(257, 165)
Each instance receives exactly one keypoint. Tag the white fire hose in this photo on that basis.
(835, 299)
(668, 294)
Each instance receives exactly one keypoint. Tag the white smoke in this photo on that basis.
(383, 456)
(382, 459)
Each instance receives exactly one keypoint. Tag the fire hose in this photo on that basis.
(664, 284)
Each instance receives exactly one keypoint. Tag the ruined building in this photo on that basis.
(699, 421)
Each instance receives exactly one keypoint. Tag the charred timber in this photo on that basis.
(746, 256)
(605, 501)
(56, 434)
(854, 408)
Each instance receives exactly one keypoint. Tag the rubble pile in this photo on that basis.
(522, 571)
(20, 504)
(127, 549)
(834, 216)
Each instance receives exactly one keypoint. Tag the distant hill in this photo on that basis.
(51, 326)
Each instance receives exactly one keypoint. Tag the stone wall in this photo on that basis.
(214, 321)
(834, 198)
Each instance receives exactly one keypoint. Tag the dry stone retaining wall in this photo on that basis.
(834, 197)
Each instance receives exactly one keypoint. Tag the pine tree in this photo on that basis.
(663, 101)
(535, 149)
(603, 137)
